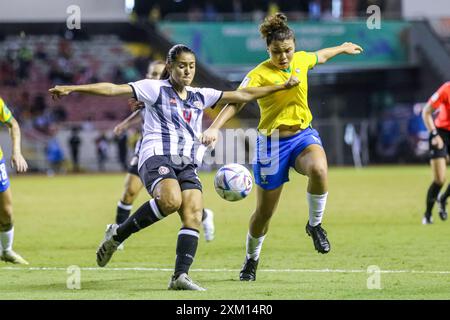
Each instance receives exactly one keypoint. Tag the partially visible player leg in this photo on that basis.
(133, 186)
(7, 230)
(167, 199)
(190, 214)
(208, 224)
(266, 204)
(312, 162)
(438, 167)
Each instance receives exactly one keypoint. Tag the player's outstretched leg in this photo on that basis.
(145, 216)
(208, 224)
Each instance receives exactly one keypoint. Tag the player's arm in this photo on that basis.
(210, 135)
(101, 89)
(248, 94)
(427, 116)
(132, 119)
(326, 54)
(17, 160)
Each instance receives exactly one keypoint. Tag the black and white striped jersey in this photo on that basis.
(172, 125)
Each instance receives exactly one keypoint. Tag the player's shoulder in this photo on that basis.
(303, 55)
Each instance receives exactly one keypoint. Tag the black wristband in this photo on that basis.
(433, 133)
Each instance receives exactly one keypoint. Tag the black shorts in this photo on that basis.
(133, 166)
(157, 168)
(440, 153)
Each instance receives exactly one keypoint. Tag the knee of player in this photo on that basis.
(319, 171)
(440, 180)
(129, 196)
(170, 202)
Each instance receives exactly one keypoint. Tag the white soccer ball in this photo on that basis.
(233, 182)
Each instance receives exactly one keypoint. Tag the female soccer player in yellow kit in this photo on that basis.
(285, 136)
(6, 213)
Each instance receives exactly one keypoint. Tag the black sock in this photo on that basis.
(146, 215)
(123, 212)
(446, 194)
(186, 249)
(432, 194)
(204, 213)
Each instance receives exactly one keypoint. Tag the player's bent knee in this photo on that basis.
(318, 172)
(170, 202)
(440, 181)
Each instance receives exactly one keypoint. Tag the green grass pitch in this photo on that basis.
(373, 217)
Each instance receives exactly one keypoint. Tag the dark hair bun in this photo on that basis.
(273, 23)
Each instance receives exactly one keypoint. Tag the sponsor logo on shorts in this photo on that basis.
(163, 170)
(264, 179)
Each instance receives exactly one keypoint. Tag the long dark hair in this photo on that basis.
(275, 28)
(172, 56)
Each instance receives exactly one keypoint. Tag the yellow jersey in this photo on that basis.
(286, 107)
(5, 116)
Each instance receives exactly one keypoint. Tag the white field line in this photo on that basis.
(224, 270)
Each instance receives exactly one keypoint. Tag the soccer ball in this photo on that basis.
(233, 182)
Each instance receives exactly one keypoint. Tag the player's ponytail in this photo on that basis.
(172, 56)
(275, 28)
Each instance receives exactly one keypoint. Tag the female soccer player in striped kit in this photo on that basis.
(133, 183)
(287, 116)
(169, 152)
(439, 129)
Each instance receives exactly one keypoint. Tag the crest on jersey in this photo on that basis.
(297, 70)
(163, 170)
(245, 82)
(187, 115)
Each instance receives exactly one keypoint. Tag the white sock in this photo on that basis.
(254, 246)
(6, 239)
(316, 204)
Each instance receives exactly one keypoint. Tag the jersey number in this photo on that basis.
(3, 171)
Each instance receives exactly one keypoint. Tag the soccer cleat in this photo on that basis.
(208, 225)
(248, 272)
(442, 208)
(108, 246)
(13, 257)
(427, 219)
(319, 236)
(183, 282)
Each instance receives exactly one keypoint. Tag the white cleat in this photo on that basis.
(11, 256)
(183, 282)
(427, 220)
(108, 246)
(208, 225)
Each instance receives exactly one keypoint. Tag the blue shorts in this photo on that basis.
(4, 180)
(274, 157)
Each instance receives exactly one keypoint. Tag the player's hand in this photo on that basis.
(59, 91)
(210, 137)
(351, 48)
(437, 142)
(292, 82)
(118, 130)
(135, 105)
(18, 162)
